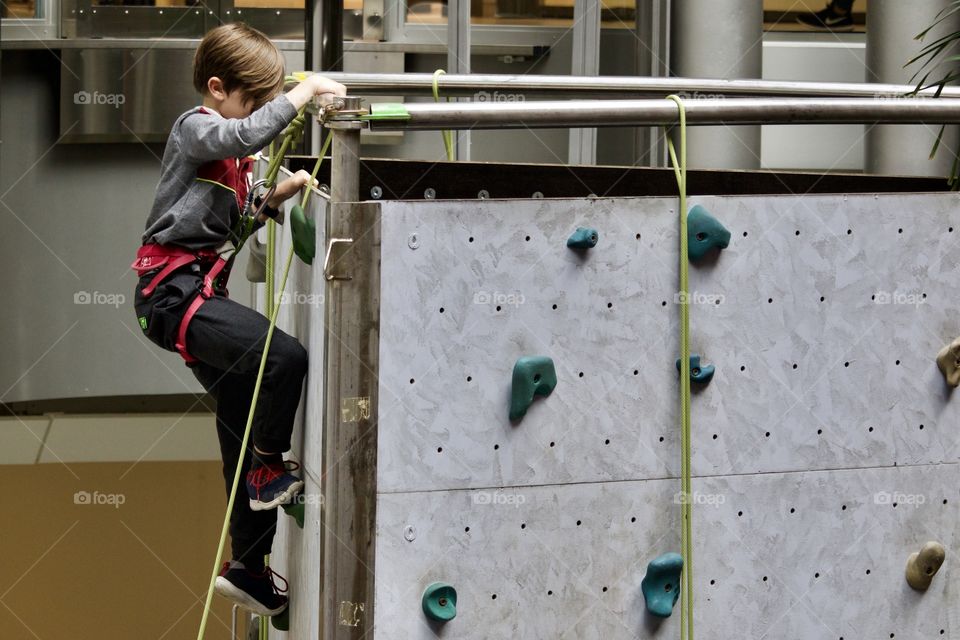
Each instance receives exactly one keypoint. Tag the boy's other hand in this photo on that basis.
(288, 188)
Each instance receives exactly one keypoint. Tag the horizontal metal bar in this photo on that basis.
(617, 113)
(476, 85)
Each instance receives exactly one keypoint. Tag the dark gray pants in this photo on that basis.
(227, 339)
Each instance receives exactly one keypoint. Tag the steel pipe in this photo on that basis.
(491, 88)
(619, 113)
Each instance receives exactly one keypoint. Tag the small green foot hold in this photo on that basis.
(532, 376)
(295, 511)
(704, 233)
(440, 602)
(583, 238)
(281, 621)
(698, 373)
(304, 232)
(661, 585)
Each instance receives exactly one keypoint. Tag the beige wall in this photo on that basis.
(88, 571)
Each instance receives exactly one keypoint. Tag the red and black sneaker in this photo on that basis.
(254, 591)
(271, 486)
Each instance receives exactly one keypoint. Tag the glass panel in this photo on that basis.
(22, 9)
(539, 13)
(786, 15)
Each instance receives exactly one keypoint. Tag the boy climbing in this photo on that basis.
(181, 298)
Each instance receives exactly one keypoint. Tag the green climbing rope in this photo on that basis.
(292, 132)
(686, 532)
(446, 133)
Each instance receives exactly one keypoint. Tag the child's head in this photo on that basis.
(239, 68)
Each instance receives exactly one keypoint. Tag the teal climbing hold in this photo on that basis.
(281, 621)
(304, 233)
(661, 585)
(295, 511)
(532, 376)
(704, 233)
(440, 602)
(698, 373)
(583, 238)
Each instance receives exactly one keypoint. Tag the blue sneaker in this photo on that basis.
(271, 486)
(256, 592)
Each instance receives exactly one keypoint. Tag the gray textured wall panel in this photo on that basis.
(790, 555)
(497, 293)
(857, 366)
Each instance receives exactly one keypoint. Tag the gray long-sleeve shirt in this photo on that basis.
(205, 173)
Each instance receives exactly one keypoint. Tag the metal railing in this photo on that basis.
(474, 85)
(620, 113)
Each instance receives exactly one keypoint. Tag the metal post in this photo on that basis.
(891, 27)
(323, 48)
(653, 46)
(586, 62)
(458, 57)
(719, 39)
(345, 167)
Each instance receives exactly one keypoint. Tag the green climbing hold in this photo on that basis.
(661, 585)
(295, 511)
(698, 373)
(532, 376)
(304, 232)
(704, 233)
(583, 238)
(440, 602)
(281, 621)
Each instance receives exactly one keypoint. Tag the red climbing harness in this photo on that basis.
(169, 258)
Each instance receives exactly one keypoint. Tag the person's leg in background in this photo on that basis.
(837, 16)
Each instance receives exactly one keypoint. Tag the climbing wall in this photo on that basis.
(824, 449)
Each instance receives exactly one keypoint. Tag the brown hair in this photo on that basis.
(243, 58)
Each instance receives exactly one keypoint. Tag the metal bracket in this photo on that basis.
(326, 259)
(342, 108)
